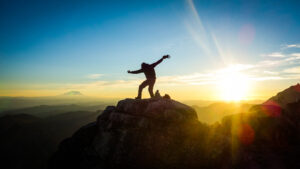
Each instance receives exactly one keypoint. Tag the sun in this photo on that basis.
(233, 85)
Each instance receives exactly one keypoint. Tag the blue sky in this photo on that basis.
(80, 45)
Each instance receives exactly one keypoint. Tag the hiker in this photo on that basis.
(148, 70)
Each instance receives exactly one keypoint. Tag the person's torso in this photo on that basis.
(149, 72)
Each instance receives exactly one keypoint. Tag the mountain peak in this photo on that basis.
(73, 93)
(137, 133)
(289, 95)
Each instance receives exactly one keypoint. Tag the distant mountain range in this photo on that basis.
(43, 111)
(73, 93)
(69, 98)
(216, 111)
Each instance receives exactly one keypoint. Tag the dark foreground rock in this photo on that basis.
(149, 133)
(164, 134)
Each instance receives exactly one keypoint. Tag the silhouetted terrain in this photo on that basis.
(162, 133)
(28, 141)
(216, 111)
(46, 110)
(68, 98)
(213, 111)
(155, 133)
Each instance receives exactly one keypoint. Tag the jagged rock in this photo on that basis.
(148, 133)
(166, 96)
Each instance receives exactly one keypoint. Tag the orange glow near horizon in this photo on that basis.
(228, 84)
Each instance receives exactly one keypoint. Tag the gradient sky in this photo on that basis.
(51, 47)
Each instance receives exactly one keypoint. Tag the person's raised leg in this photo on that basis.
(150, 88)
(141, 87)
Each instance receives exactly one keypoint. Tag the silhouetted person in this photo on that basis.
(149, 72)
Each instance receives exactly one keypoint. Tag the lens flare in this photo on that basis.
(246, 134)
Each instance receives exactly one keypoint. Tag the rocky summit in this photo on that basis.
(147, 133)
(161, 133)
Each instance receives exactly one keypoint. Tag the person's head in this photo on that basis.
(143, 65)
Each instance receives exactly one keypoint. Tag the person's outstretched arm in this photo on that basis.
(135, 72)
(160, 60)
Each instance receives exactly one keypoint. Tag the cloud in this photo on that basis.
(279, 65)
(292, 46)
(103, 83)
(279, 62)
(269, 63)
(270, 72)
(293, 57)
(264, 78)
(292, 70)
(94, 76)
(274, 54)
(295, 54)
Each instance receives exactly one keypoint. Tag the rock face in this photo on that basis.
(148, 133)
(161, 133)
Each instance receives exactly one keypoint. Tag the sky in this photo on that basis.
(249, 49)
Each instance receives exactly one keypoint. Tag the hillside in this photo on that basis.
(14, 103)
(216, 111)
(162, 133)
(289, 95)
(28, 141)
(43, 111)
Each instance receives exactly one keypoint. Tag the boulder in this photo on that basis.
(147, 133)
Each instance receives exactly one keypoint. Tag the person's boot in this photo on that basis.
(138, 97)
